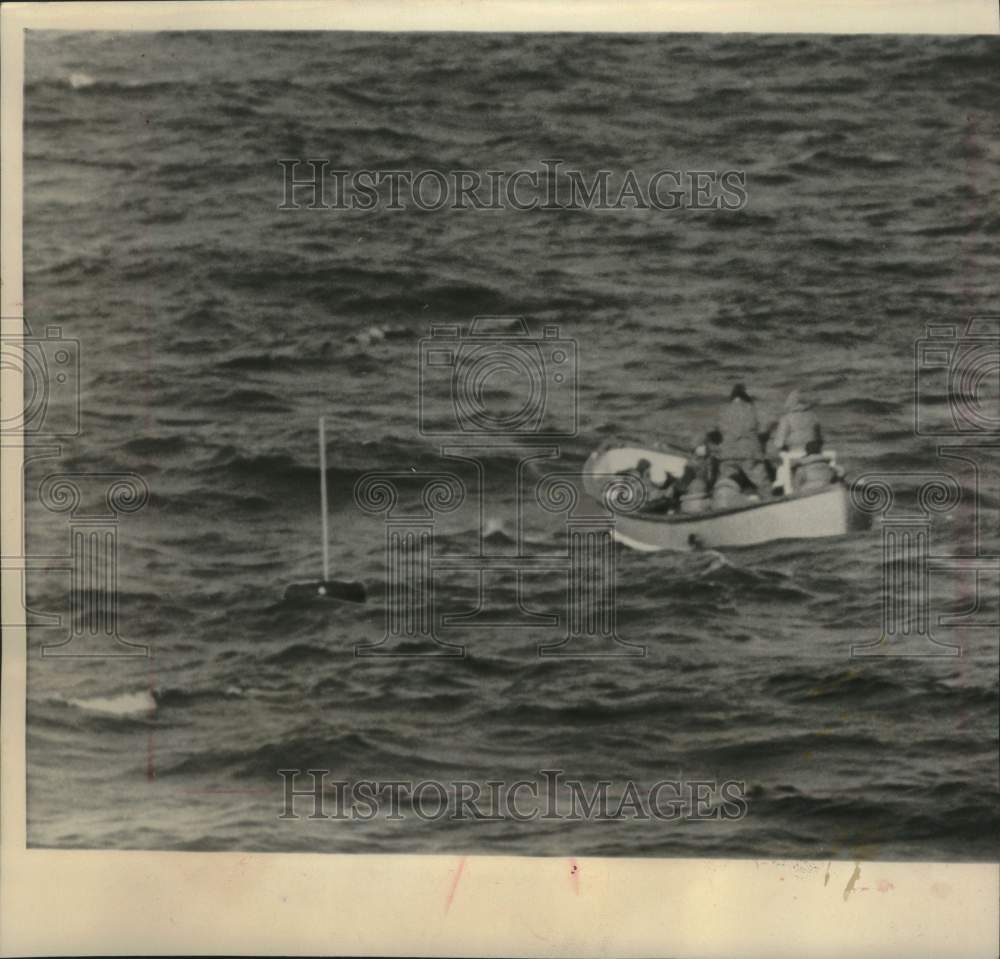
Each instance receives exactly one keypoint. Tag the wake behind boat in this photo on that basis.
(816, 513)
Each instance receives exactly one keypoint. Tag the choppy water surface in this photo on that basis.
(215, 329)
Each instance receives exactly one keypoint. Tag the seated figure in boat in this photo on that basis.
(663, 499)
(728, 492)
(656, 498)
(798, 426)
(741, 449)
(695, 485)
(713, 445)
(813, 471)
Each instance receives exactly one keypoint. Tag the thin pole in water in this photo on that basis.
(322, 496)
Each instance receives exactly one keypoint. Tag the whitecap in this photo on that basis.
(124, 704)
(79, 81)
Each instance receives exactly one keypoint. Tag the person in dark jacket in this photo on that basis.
(713, 445)
(741, 448)
(695, 485)
(656, 498)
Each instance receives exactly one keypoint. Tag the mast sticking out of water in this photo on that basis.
(346, 591)
(322, 498)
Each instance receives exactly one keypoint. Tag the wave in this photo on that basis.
(79, 81)
(890, 688)
(742, 220)
(869, 406)
(801, 686)
(307, 358)
(337, 751)
(141, 702)
(300, 654)
(247, 401)
(770, 748)
(155, 445)
(83, 83)
(175, 696)
(285, 471)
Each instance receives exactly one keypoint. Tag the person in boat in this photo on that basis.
(728, 490)
(713, 444)
(798, 426)
(640, 472)
(663, 499)
(695, 485)
(657, 498)
(741, 450)
(813, 471)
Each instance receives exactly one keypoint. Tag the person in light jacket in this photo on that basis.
(798, 425)
(797, 428)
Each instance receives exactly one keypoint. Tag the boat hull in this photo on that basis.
(825, 512)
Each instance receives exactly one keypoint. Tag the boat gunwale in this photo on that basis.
(679, 519)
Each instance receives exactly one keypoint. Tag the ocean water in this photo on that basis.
(214, 329)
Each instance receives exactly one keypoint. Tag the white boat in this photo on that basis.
(823, 512)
